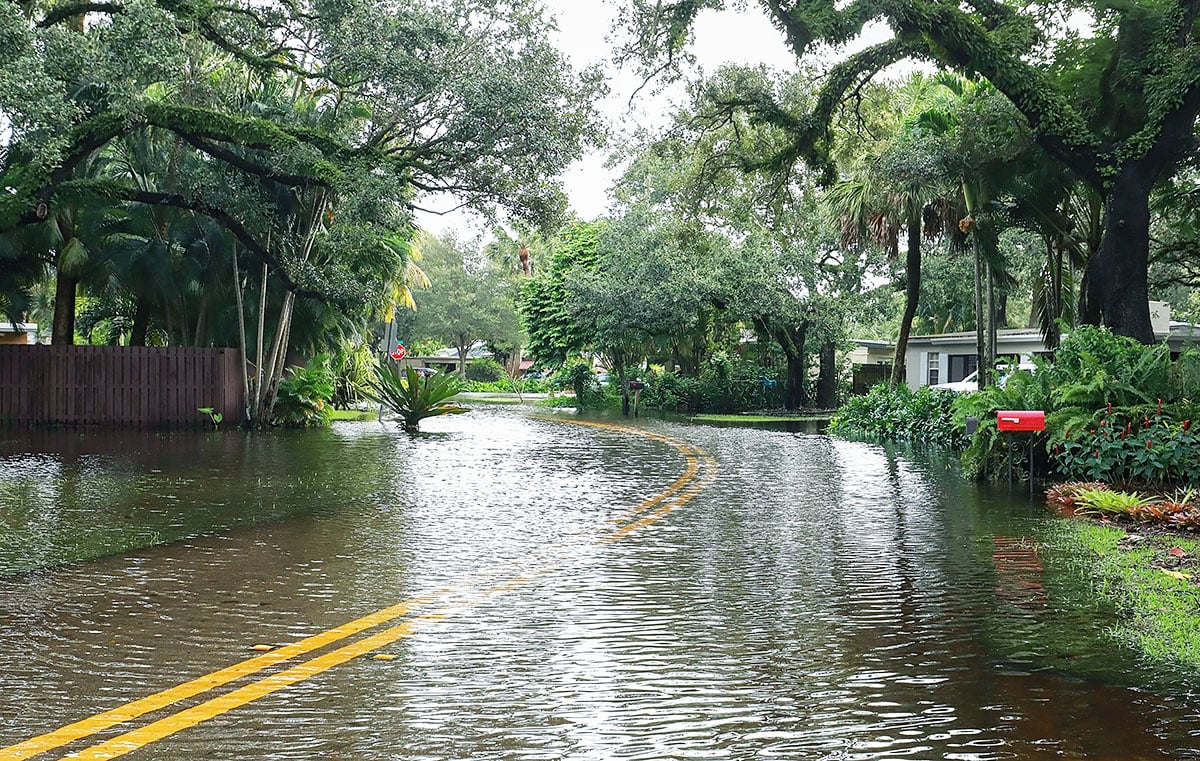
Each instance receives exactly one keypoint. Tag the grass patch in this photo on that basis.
(355, 415)
(479, 398)
(1154, 581)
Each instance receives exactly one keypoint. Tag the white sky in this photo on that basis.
(584, 28)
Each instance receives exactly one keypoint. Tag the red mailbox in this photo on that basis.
(1021, 420)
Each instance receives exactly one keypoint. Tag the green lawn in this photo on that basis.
(356, 415)
(1152, 578)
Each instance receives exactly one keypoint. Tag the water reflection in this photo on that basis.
(822, 600)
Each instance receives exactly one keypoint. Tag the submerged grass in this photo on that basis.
(355, 415)
(1153, 581)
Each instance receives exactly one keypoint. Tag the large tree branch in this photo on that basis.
(223, 217)
(251, 167)
(954, 39)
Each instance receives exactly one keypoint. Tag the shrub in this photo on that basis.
(897, 413)
(352, 369)
(486, 370)
(577, 376)
(305, 395)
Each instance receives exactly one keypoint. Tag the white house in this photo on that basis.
(950, 357)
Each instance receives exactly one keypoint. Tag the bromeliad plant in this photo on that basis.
(414, 398)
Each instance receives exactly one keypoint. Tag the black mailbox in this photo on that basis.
(636, 385)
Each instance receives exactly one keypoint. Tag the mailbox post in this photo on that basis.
(1012, 421)
(636, 387)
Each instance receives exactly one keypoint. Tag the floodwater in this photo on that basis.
(563, 592)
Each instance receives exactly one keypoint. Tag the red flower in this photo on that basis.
(1102, 422)
(1186, 423)
(1149, 444)
(1109, 409)
(1160, 406)
(1097, 454)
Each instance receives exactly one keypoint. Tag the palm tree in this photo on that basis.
(874, 208)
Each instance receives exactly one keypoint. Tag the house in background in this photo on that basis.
(950, 357)
(446, 360)
(870, 363)
(18, 333)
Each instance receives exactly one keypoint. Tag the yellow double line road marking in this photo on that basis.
(651, 510)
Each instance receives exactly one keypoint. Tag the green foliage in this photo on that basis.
(214, 417)
(506, 386)
(727, 384)
(1114, 412)
(1125, 447)
(888, 413)
(486, 370)
(1107, 501)
(578, 376)
(544, 303)
(987, 454)
(470, 298)
(413, 397)
(352, 368)
(305, 395)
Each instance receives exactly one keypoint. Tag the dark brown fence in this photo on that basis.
(129, 386)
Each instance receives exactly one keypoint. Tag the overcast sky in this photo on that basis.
(584, 30)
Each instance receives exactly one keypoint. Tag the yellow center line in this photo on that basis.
(169, 725)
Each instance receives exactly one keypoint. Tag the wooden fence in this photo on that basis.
(125, 386)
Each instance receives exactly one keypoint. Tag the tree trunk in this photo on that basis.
(63, 332)
(141, 323)
(1116, 294)
(792, 342)
(462, 361)
(912, 297)
(827, 378)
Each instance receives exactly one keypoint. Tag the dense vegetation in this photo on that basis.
(245, 174)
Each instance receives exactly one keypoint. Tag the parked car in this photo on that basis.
(971, 382)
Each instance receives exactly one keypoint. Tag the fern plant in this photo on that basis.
(412, 397)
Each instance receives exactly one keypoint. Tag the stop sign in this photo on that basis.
(400, 352)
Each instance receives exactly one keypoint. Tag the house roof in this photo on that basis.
(1008, 335)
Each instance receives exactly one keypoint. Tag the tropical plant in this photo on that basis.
(352, 368)
(1108, 502)
(305, 395)
(414, 397)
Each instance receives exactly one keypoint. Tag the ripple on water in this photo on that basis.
(822, 600)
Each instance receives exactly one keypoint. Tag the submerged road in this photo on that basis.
(286, 664)
(515, 586)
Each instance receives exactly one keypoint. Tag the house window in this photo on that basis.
(933, 367)
(960, 366)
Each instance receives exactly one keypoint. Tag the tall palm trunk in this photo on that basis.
(912, 292)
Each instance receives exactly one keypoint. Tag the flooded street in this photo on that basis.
(514, 585)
